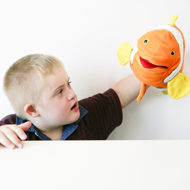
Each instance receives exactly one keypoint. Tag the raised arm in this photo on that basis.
(127, 89)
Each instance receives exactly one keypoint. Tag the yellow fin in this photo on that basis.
(179, 86)
(173, 19)
(124, 53)
(165, 92)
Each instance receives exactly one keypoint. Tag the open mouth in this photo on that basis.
(148, 65)
(74, 106)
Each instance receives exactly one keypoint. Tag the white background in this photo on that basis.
(85, 36)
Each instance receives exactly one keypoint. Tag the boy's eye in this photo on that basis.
(69, 83)
(60, 92)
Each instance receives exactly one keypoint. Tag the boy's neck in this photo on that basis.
(54, 134)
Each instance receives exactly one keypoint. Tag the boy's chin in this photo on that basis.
(76, 118)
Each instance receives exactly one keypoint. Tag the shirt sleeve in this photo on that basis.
(9, 119)
(104, 113)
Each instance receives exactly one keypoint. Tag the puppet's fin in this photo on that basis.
(179, 86)
(142, 92)
(173, 19)
(124, 53)
(165, 92)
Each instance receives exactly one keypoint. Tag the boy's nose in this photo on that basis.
(71, 95)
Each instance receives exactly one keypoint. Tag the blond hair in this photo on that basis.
(23, 81)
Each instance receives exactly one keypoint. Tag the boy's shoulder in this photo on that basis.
(101, 99)
(9, 119)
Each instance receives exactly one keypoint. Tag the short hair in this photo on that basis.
(23, 81)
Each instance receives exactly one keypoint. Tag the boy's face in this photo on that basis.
(58, 104)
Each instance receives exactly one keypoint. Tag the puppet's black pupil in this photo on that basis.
(172, 53)
(145, 41)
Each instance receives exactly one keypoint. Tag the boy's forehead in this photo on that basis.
(57, 77)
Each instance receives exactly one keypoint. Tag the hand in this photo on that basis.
(11, 135)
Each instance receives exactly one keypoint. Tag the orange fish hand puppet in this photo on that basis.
(157, 60)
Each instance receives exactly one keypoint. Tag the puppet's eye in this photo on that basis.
(172, 53)
(145, 41)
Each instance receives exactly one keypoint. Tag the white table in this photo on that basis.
(96, 165)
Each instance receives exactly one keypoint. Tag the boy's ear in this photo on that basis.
(30, 110)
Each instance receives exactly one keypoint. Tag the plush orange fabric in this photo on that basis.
(157, 59)
(153, 62)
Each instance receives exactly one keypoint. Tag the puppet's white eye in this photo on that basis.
(172, 53)
(145, 41)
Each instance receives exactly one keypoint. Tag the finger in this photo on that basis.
(5, 141)
(18, 131)
(12, 136)
(9, 132)
(25, 125)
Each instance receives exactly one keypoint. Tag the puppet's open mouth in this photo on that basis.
(148, 65)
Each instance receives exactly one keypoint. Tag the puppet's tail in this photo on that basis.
(142, 92)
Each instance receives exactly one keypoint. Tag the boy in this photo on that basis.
(47, 108)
